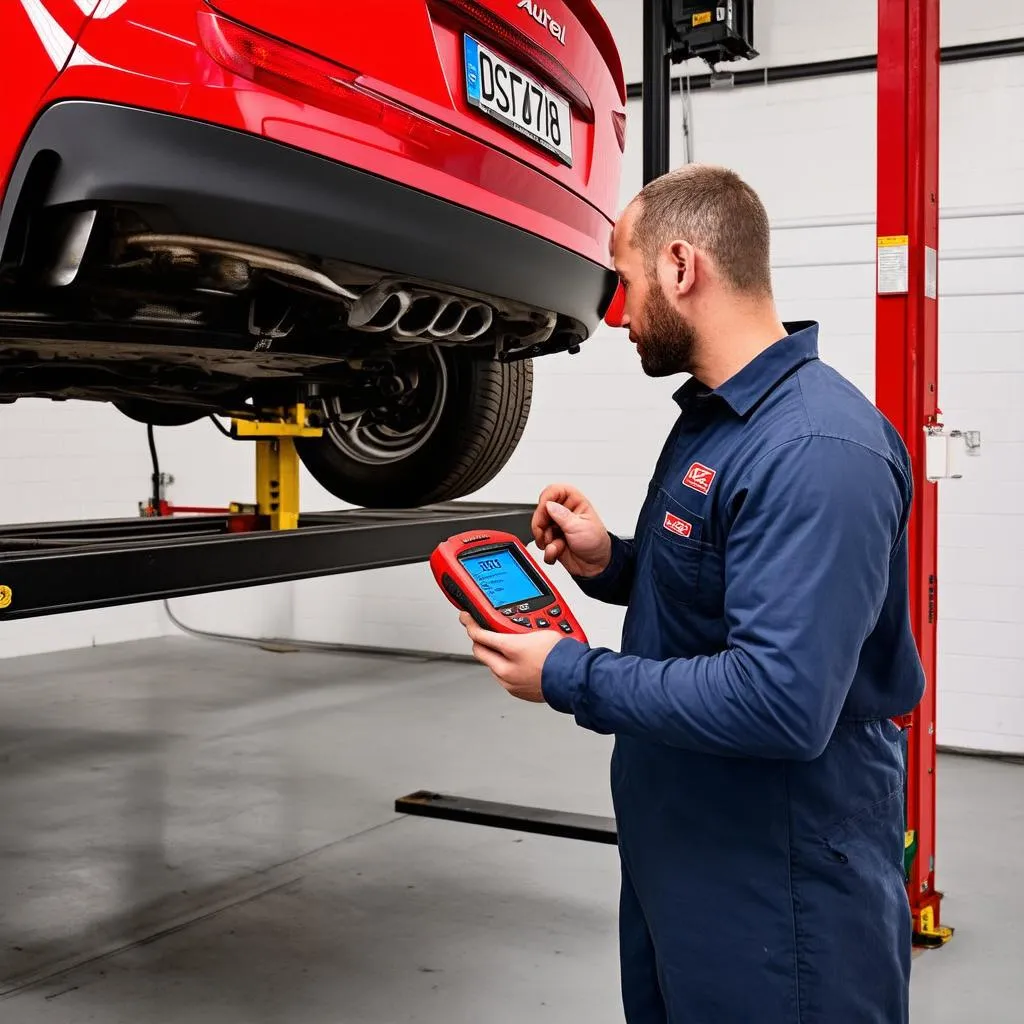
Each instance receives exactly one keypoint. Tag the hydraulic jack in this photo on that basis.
(277, 461)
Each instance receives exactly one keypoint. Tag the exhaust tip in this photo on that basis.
(419, 317)
(448, 319)
(388, 313)
(477, 319)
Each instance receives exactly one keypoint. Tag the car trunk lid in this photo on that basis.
(425, 54)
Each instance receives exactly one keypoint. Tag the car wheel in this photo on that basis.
(451, 425)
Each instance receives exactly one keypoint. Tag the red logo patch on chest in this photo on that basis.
(676, 525)
(699, 477)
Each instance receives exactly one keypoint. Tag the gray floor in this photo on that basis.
(204, 833)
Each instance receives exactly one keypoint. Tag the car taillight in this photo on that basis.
(530, 53)
(613, 314)
(619, 120)
(285, 69)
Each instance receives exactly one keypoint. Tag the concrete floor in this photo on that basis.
(204, 833)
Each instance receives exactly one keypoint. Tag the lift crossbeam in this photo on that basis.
(46, 568)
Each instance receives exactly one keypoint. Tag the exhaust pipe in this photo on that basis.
(264, 259)
(72, 250)
(417, 319)
(427, 315)
(391, 306)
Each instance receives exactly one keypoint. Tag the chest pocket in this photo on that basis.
(687, 570)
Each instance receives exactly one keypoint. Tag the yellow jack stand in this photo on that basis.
(277, 462)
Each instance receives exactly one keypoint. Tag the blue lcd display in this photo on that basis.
(501, 578)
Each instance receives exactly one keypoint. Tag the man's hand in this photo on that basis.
(515, 659)
(568, 530)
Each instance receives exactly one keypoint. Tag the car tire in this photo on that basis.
(478, 410)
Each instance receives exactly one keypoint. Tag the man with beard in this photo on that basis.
(757, 776)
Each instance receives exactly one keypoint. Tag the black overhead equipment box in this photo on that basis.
(714, 32)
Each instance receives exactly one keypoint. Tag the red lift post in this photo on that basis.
(906, 369)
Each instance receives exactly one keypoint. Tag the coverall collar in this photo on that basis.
(745, 389)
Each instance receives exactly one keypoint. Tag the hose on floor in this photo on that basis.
(289, 645)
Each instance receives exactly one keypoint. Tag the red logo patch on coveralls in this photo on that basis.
(676, 525)
(699, 477)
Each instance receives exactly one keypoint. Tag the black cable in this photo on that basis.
(315, 646)
(220, 426)
(155, 460)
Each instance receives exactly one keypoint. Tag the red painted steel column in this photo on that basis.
(906, 364)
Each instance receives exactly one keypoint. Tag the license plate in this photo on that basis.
(500, 90)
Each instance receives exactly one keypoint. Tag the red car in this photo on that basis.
(381, 208)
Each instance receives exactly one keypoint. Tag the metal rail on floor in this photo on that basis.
(46, 568)
(588, 828)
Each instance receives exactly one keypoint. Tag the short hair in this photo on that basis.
(713, 209)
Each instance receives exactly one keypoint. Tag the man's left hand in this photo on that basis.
(515, 659)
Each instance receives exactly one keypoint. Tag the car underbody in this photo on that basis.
(173, 327)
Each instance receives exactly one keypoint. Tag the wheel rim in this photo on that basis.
(399, 427)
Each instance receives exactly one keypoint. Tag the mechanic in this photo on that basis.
(758, 781)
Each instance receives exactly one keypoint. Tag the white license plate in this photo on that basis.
(502, 91)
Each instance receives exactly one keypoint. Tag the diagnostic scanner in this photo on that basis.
(492, 576)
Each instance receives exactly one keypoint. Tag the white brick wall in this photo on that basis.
(809, 148)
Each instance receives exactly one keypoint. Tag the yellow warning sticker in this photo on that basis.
(702, 19)
(893, 264)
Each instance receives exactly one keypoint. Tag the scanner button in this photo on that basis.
(543, 623)
(565, 627)
(520, 620)
(554, 612)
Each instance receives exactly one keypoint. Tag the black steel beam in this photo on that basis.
(588, 828)
(655, 91)
(829, 68)
(64, 567)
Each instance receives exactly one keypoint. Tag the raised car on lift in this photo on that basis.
(382, 210)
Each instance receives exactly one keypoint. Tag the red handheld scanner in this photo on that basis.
(492, 576)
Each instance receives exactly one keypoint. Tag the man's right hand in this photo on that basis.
(568, 530)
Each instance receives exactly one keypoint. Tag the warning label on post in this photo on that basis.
(893, 264)
(931, 273)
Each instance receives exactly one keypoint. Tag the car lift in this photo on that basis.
(906, 370)
(61, 567)
(47, 568)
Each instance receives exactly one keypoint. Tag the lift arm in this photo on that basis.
(64, 567)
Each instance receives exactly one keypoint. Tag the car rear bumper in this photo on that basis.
(194, 177)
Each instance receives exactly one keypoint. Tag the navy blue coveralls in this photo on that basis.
(757, 779)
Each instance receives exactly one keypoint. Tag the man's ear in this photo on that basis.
(684, 266)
